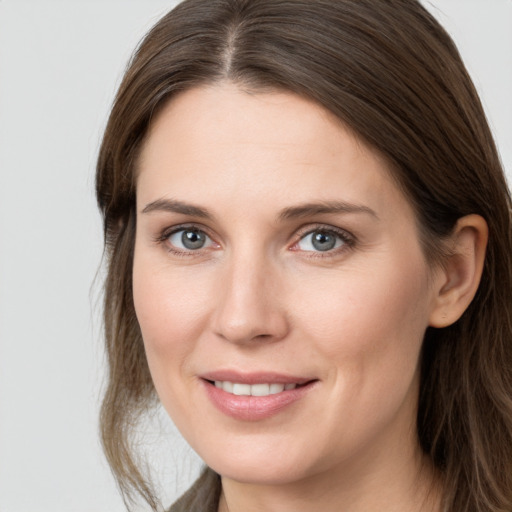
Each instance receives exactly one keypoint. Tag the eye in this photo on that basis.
(189, 239)
(322, 240)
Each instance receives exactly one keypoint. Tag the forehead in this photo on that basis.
(225, 114)
(220, 141)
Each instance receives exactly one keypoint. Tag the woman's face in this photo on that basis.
(275, 255)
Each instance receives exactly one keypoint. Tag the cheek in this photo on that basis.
(370, 324)
(370, 331)
(170, 309)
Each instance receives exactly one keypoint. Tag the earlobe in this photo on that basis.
(457, 281)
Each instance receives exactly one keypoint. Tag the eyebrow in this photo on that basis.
(327, 207)
(303, 210)
(174, 206)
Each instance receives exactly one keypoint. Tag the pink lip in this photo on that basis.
(254, 408)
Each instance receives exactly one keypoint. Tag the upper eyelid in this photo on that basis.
(302, 230)
(311, 228)
(168, 231)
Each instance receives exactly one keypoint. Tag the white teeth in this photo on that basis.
(241, 389)
(277, 388)
(260, 389)
(236, 388)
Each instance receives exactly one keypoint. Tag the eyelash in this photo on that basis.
(348, 240)
(163, 239)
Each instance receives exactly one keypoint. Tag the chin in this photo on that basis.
(262, 473)
(266, 466)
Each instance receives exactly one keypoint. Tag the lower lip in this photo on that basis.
(254, 408)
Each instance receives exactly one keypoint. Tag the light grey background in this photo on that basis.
(60, 63)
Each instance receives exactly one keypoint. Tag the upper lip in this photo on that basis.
(254, 377)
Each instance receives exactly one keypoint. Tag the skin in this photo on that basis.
(258, 296)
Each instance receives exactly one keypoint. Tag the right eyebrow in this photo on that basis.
(174, 206)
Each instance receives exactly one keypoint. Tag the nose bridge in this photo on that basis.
(249, 307)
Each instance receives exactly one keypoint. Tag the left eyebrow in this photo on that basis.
(327, 207)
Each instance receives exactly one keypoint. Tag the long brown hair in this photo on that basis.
(388, 70)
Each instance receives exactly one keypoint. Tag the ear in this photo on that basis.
(457, 281)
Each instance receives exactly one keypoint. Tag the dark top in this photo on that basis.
(203, 496)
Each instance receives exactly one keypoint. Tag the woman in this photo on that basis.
(308, 238)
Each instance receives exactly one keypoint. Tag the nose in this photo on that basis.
(250, 306)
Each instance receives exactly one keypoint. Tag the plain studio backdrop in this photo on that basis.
(60, 64)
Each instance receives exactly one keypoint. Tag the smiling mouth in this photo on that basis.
(263, 389)
(256, 397)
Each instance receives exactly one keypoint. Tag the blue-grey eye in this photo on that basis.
(190, 239)
(320, 240)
